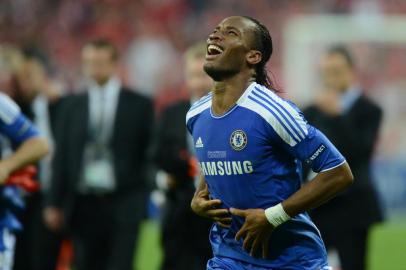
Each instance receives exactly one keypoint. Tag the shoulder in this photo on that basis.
(199, 106)
(136, 102)
(366, 104)
(311, 111)
(74, 100)
(9, 110)
(282, 115)
(132, 95)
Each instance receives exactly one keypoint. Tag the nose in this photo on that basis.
(215, 36)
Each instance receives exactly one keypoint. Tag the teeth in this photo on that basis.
(214, 48)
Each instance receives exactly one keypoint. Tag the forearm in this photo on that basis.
(29, 152)
(322, 188)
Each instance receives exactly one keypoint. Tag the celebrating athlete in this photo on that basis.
(251, 144)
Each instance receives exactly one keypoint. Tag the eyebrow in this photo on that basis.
(228, 27)
(233, 28)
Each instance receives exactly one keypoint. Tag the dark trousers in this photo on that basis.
(104, 236)
(351, 245)
(37, 248)
(185, 236)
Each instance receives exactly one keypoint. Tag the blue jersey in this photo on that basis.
(13, 124)
(17, 128)
(251, 157)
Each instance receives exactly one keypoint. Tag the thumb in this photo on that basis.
(238, 212)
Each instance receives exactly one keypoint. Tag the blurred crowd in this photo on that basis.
(50, 48)
(144, 29)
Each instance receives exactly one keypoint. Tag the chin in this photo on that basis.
(217, 73)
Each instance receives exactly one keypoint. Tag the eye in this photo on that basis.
(232, 32)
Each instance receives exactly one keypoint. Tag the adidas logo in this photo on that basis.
(199, 143)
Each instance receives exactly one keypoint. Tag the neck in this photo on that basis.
(102, 81)
(228, 91)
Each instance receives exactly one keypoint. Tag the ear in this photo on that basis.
(253, 57)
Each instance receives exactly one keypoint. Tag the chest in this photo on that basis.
(235, 137)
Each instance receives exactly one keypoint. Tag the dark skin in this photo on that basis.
(232, 69)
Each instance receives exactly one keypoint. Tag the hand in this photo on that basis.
(53, 218)
(203, 206)
(256, 230)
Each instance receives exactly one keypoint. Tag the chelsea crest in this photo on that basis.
(238, 140)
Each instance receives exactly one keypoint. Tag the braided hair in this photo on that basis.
(262, 43)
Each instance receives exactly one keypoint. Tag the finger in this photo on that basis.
(241, 233)
(249, 238)
(203, 193)
(238, 212)
(224, 225)
(217, 213)
(211, 204)
(255, 245)
(223, 220)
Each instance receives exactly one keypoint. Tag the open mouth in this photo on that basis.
(214, 50)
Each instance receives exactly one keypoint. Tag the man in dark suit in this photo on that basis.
(185, 235)
(98, 189)
(351, 121)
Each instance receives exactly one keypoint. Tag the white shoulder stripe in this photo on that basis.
(284, 121)
(197, 110)
(271, 119)
(286, 110)
(9, 110)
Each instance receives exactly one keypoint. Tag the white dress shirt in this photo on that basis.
(40, 107)
(98, 168)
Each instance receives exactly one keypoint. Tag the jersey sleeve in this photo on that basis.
(304, 141)
(189, 126)
(317, 150)
(13, 124)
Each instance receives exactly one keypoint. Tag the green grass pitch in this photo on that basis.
(387, 247)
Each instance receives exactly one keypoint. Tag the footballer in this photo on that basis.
(251, 144)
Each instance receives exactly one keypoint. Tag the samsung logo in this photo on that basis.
(226, 167)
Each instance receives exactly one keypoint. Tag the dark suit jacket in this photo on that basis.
(354, 134)
(170, 149)
(171, 154)
(129, 142)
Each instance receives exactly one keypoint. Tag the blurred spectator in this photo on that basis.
(62, 26)
(98, 188)
(10, 61)
(185, 236)
(37, 247)
(151, 55)
(351, 121)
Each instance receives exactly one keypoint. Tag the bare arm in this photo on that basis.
(256, 230)
(322, 188)
(28, 152)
